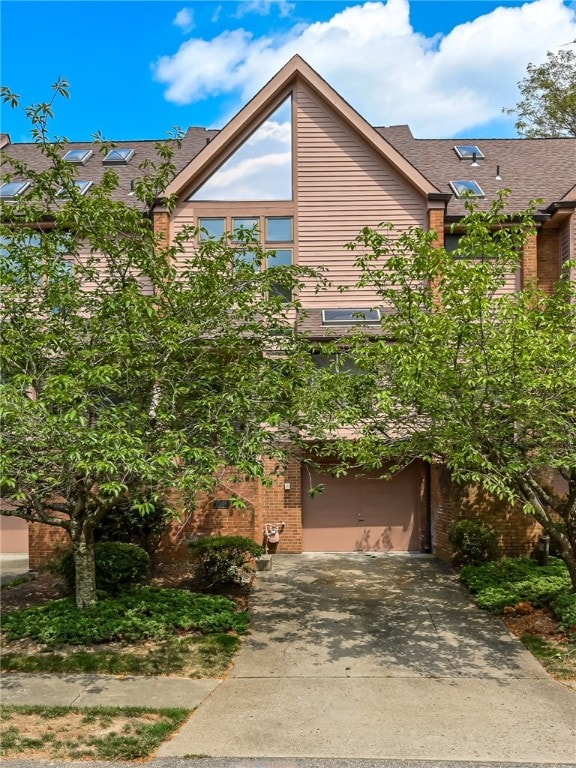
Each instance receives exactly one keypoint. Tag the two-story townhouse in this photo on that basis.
(304, 168)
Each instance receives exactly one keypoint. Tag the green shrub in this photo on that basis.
(125, 524)
(117, 566)
(509, 582)
(473, 541)
(564, 607)
(138, 614)
(222, 560)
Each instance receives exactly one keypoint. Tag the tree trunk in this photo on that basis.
(83, 549)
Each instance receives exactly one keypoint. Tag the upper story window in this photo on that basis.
(118, 157)
(10, 190)
(466, 188)
(212, 228)
(261, 167)
(468, 152)
(279, 229)
(78, 156)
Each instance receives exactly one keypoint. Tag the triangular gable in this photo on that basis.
(259, 109)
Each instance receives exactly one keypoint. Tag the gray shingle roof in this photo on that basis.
(530, 168)
(192, 143)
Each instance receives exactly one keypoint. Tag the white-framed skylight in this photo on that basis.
(468, 151)
(78, 156)
(81, 185)
(351, 316)
(120, 156)
(466, 188)
(12, 189)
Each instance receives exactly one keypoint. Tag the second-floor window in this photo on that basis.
(274, 233)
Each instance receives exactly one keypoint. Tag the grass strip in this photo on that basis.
(106, 733)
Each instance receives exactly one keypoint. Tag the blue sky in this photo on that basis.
(137, 68)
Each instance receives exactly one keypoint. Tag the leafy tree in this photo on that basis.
(547, 108)
(129, 363)
(484, 384)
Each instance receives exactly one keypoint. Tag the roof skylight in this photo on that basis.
(350, 316)
(119, 156)
(468, 151)
(11, 189)
(78, 156)
(466, 188)
(81, 185)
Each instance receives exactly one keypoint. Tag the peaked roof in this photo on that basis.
(256, 111)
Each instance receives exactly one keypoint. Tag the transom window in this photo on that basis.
(78, 156)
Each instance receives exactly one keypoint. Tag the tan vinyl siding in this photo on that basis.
(86, 257)
(342, 185)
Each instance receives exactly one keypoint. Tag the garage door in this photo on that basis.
(361, 512)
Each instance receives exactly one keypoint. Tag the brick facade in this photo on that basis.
(519, 533)
(529, 267)
(548, 263)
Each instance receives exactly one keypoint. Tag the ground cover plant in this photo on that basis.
(68, 733)
(537, 605)
(141, 613)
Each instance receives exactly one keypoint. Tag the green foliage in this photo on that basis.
(143, 524)
(473, 541)
(564, 607)
(222, 560)
(141, 613)
(509, 582)
(118, 566)
(547, 108)
(162, 388)
(478, 379)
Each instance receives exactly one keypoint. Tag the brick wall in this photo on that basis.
(529, 268)
(518, 533)
(45, 543)
(161, 224)
(548, 258)
(436, 222)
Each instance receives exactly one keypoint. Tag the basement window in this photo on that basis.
(468, 151)
(466, 188)
(351, 316)
(78, 156)
(118, 157)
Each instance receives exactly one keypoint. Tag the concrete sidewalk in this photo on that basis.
(104, 690)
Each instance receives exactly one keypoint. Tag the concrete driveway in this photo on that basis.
(352, 655)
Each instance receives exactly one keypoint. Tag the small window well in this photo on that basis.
(118, 157)
(81, 186)
(350, 316)
(468, 151)
(78, 156)
(11, 189)
(466, 188)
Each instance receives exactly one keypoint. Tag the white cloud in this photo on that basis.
(373, 57)
(184, 19)
(264, 7)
